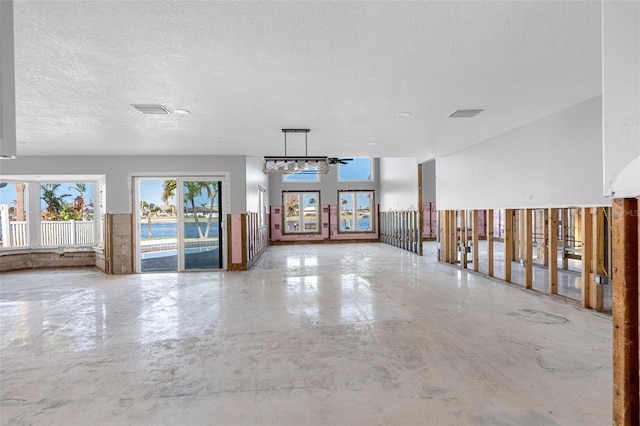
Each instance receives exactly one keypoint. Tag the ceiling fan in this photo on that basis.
(336, 160)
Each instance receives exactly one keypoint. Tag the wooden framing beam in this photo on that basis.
(587, 257)
(545, 227)
(420, 211)
(508, 243)
(597, 257)
(553, 251)
(489, 233)
(475, 239)
(463, 239)
(528, 249)
(625, 230)
(565, 236)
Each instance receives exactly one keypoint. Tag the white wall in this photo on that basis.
(429, 181)
(621, 97)
(255, 179)
(398, 184)
(119, 169)
(555, 161)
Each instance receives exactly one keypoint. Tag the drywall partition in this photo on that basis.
(256, 181)
(398, 184)
(429, 181)
(119, 170)
(621, 97)
(555, 161)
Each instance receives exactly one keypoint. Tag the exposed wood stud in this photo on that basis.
(508, 243)
(565, 236)
(625, 230)
(475, 241)
(587, 256)
(489, 233)
(553, 251)
(598, 260)
(528, 249)
(463, 239)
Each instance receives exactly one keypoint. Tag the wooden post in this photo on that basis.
(553, 251)
(587, 256)
(625, 230)
(489, 233)
(528, 249)
(420, 219)
(508, 243)
(463, 238)
(545, 227)
(565, 237)
(475, 240)
(597, 257)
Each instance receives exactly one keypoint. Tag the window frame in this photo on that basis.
(302, 228)
(33, 211)
(372, 211)
(288, 177)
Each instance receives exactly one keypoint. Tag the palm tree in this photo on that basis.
(78, 202)
(53, 201)
(168, 192)
(212, 193)
(20, 214)
(146, 213)
(191, 191)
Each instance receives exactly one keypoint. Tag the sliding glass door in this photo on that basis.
(179, 239)
(201, 224)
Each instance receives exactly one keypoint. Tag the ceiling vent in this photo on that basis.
(465, 113)
(151, 108)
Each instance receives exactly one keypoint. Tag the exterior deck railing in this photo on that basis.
(53, 233)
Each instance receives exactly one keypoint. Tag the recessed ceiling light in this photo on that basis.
(405, 114)
(373, 143)
(465, 113)
(181, 111)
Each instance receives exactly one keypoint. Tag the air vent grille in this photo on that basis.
(151, 108)
(465, 113)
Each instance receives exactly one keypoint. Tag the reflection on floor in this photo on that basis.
(352, 334)
(168, 261)
(569, 281)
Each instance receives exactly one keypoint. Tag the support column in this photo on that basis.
(625, 230)
(508, 243)
(553, 251)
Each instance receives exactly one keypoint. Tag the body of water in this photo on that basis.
(170, 229)
(364, 224)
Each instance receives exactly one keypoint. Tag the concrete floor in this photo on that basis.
(352, 334)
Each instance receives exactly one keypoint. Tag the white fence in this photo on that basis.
(53, 233)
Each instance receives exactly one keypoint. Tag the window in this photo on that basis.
(356, 211)
(66, 210)
(301, 212)
(50, 212)
(309, 175)
(13, 214)
(360, 169)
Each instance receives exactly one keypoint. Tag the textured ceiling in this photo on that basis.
(248, 69)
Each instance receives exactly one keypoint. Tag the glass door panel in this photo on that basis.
(201, 245)
(157, 225)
